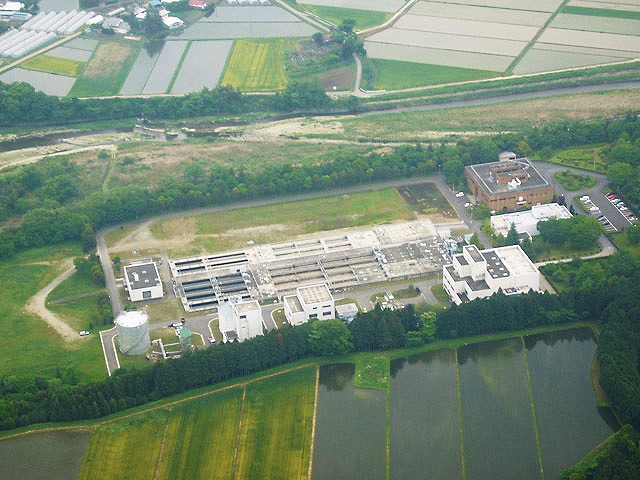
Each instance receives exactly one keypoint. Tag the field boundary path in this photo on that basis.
(37, 306)
(389, 23)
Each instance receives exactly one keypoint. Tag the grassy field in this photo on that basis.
(395, 75)
(372, 372)
(106, 71)
(59, 66)
(127, 449)
(201, 437)
(488, 119)
(235, 228)
(427, 199)
(256, 65)
(81, 313)
(275, 437)
(76, 284)
(29, 346)
(574, 181)
(364, 18)
(587, 158)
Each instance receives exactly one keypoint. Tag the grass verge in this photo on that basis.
(256, 65)
(55, 65)
(439, 293)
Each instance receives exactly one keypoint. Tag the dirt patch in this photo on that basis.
(142, 240)
(298, 126)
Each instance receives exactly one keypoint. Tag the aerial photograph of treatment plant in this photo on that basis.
(319, 239)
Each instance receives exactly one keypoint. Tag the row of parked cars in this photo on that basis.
(595, 211)
(619, 204)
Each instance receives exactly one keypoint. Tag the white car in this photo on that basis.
(467, 205)
(84, 333)
(460, 194)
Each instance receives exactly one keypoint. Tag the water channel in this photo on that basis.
(510, 409)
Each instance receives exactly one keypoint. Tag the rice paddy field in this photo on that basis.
(256, 430)
(256, 65)
(505, 37)
(363, 18)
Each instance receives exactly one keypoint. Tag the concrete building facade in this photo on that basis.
(310, 302)
(240, 320)
(479, 274)
(527, 221)
(143, 281)
(508, 184)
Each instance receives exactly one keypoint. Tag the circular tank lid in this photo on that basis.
(133, 318)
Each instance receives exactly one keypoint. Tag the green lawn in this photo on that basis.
(201, 437)
(256, 65)
(126, 449)
(587, 158)
(373, 372)
(58, 66)
(574, 181)
(76, 284)
(106, 70)
(364, 18)
(29, 345)
(395, 75)
(275, 437)
(440, 294)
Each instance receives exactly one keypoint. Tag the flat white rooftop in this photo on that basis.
(528, 219)
(515, 260)
(315, 294)
(249, 306)
(293, 303)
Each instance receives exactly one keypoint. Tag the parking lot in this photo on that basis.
(593, 210)
(617, 202)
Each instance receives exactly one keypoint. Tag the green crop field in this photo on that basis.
(29, 345)
(106, 71)
(234, 228)
(201, 437)
(275, 437)
(256, 65)
(59, 66)
(372, 372)
(364, 18)
(127, 449)
(395, 75)
(574, 181)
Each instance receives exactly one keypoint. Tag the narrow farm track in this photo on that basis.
(313, 425)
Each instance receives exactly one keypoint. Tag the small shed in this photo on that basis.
(347, 312)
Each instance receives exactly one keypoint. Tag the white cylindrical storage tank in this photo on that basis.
(133, 332)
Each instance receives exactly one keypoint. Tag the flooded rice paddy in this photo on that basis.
(517, 408)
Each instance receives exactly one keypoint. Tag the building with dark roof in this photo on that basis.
(143, 281)
(508, 184)
(481, 273)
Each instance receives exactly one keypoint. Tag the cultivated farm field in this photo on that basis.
(256, 65)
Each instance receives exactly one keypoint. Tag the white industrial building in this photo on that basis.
(309, 302)
(479, 274)
(143, 281)
(527, 221)
(238, 320)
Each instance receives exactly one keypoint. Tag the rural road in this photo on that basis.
(37, 306)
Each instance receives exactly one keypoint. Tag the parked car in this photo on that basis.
(84, 333)
(460, 194)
